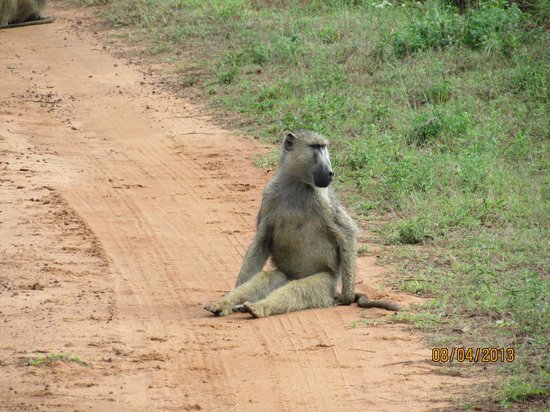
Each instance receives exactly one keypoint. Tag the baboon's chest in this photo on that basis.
(302, 245)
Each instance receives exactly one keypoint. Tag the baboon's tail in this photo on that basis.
(42, 20)
(364, 302)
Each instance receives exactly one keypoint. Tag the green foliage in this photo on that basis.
(494, 25)
(519, 390)
(426, 127)
(410, 232)
(439, 92)
(229, 68)
(438, 26)
(52, 358)
(437, 127)
(539, 10)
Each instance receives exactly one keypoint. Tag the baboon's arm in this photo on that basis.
(344, 231)
(256, 255)
(346, 270)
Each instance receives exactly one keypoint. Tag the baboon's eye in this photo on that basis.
(317, 146)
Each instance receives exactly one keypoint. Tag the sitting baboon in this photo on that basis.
(309, 235)
(17, 13)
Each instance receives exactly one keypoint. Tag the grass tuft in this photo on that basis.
(52, 358)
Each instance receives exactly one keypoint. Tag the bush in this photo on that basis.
(440, 127)
(493, 25)
(439, 27)
(408, 232)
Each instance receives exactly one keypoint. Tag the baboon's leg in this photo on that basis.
(258, 287)
(315, 291)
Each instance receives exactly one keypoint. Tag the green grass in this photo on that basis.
(51, 359)
(439, 126)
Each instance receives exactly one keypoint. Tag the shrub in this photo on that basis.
(439, 27)
(493, 25)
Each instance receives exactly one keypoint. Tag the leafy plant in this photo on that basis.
(52, 358)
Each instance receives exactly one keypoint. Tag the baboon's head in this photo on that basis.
(305, 157)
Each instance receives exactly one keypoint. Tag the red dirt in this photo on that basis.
(122, 210)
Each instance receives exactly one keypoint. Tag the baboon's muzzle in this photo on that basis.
(323, 176)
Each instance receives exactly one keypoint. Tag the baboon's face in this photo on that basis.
(308, 160)
(322, 172)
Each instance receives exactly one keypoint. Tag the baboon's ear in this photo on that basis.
(289, 141)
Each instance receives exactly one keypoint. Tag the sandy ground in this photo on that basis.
(122, 210)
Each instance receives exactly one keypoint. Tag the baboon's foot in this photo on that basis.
(256, 311)
(239, 308)
(217, 308)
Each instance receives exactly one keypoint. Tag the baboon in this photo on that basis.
(308, 234)
(17, 13)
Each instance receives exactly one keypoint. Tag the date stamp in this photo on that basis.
(482, 355)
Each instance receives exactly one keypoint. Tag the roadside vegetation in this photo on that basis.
(51, 359)
(438, 114)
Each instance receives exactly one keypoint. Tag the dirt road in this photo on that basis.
(122, 210)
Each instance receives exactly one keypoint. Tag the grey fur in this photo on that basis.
(22, 12)
(308, 234)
